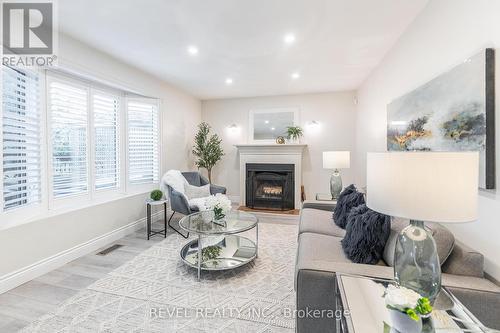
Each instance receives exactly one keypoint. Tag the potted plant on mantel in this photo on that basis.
(294, 133)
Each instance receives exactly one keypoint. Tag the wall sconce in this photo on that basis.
(313, 125)
(233, 129)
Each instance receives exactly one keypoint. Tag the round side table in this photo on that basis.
(149, 204)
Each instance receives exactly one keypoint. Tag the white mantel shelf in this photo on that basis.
(270, 148)
(271, 154)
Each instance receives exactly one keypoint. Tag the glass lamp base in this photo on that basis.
(416, 262)
(335, 184)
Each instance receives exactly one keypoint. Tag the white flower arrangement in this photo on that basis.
(219, 203)
(407, 301)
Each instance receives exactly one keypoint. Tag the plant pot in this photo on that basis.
(294, 141)
(404, 324)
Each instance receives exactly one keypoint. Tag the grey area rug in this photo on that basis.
(157, 292)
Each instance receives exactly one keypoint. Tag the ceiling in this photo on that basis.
(337, 42)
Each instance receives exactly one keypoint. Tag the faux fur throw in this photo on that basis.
(348, 199)
(175, 180)
(366, 234)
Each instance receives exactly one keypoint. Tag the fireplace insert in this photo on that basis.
(270, 186)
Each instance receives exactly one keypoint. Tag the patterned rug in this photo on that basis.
(157, 292)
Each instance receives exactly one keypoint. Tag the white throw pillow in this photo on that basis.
(194, 192)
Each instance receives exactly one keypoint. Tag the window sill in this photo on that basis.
(15, 219)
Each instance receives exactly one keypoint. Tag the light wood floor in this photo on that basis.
(24, 304)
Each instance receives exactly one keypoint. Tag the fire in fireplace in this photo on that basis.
(270, 186)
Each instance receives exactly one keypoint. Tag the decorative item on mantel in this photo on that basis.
(422, 186)
(294, 133)
(336, 160)
(280, 140)
(220, 205)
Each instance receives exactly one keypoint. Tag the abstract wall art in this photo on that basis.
(453, 112)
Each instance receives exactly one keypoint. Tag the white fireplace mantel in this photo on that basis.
(272, 154)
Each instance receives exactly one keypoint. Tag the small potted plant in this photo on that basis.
(156, 195)
(407, 308)
(294, 133)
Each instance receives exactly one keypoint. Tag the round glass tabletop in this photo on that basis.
(203, 223)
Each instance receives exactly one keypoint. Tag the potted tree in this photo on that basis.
(207, 148)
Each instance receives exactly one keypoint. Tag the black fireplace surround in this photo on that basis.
(270, 186)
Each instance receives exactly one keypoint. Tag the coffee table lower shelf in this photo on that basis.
(234, 251)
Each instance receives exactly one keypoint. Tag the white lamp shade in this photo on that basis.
(425, 186)
(336, 159)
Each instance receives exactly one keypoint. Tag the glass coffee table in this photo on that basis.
(361, 309)
(221, 246)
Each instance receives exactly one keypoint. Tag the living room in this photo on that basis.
(304, 97)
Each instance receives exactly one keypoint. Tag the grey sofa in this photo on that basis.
(320, 257)
(178, 202)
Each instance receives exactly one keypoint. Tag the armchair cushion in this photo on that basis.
(193, 192)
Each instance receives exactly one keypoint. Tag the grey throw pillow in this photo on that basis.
(194, 192)
(366, 234)
(348, 199)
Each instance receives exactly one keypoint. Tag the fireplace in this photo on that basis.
(270, 186)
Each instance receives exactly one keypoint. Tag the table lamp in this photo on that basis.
(422, 186)
(336, 160)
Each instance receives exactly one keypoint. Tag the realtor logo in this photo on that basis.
(28, 33)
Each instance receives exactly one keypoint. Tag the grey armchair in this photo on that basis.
(178, 201)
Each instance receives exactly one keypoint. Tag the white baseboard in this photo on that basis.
(25, 274)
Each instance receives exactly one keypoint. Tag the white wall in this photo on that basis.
(334, 111)
(445, 33)
(38, 240)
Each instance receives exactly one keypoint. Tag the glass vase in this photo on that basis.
(416, 262)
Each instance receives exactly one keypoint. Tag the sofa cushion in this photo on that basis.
(318, 221)
(348, 199)
(366, 234)
(443, 237)
(324, 253)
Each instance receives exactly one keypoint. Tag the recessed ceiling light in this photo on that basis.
(266, 121)
(289, 38)
(272, 128)
(192, 50)
(229, 81)
(295, 75)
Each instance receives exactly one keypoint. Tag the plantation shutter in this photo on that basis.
(68, 110)
(21, 138)
(143, 138)
(106, 109)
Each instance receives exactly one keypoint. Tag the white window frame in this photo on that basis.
(12, 216)
(121, 186)
(138, 188)
(56, 203)
(50, 206)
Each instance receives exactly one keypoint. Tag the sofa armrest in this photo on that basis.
(464, 261)
(321, 205)
(214, 189)
(484, 305)
(316, 291)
